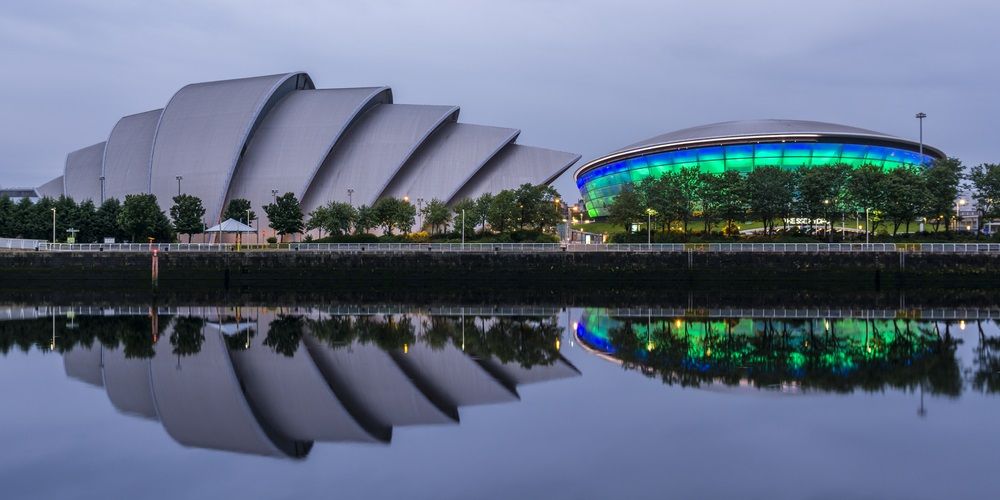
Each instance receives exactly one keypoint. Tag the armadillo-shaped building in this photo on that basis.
(253, 137)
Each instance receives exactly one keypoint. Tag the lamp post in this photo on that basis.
(463, 229)
(829, 220)
(53, 225)
(102, 189)
(420, 215)
(274, 196)
(350, 197)
(179, 179)
(649, 227)
(866, 226)
(958, 213)
(920, 118)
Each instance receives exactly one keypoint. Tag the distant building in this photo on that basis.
(256, 137)
(742, 146)
(17, 193)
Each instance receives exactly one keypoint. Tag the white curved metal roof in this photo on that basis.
(52, 189)
(201, 403)
(742, 128)
(373, 151)
(82, 176)
(127, 154)
(516, 165)
(127, 383)
(448, 160)
(375, 382)
(203, 133)
(293, 140)
(292, 395)
(84, 364)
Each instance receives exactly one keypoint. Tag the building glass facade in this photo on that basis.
(600, 185)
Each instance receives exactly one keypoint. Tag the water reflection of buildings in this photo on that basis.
(794, 350)
(275, 383)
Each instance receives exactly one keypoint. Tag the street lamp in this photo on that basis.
(102, 189)
(350, 197)
(649, 227)
(958, 212)
(179, 179)
(274, 196)
(920, 118)
(420, 215)
(53, 225)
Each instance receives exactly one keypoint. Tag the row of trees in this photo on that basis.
(529, 207)
(139, 216)
(896, 197)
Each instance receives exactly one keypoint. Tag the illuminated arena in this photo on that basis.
(741, 146)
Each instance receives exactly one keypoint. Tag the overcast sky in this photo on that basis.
(576, 75)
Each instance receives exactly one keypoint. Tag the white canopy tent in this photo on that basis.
(231, 226)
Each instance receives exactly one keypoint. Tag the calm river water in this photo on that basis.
(498, 402)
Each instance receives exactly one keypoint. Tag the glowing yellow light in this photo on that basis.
(650, 346)
(575, 325)
(708, 352)
(406, 348)
(557, 344)
(961, 324)
(826, 324)
(678, 323)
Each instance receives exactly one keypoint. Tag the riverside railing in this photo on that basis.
(19, 244)
(773, 248)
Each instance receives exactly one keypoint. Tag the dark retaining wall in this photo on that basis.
(500, 271)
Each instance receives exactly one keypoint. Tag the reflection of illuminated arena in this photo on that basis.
(837, 355)
(740, 146)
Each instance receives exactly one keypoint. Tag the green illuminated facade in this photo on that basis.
(741, 147)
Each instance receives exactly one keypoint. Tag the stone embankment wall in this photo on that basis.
(306, 270)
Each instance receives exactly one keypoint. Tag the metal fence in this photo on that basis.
(19, 244)
(813, 248)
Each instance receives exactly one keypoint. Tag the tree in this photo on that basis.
(237, 210)
(687, 190)
(437, 215)
(482, 210)
(942, 181)
(710, 198)
(627, 208)
(770, 192)
(187, 214)
(285, 214)
(503, 212)
(335, 218)
(7, 216)
(365, 219)
(394, 213)
(732, 200)
(819, 191)
(905, 195)
(106, 220)
(985, 180)
(537, 206)
(866, 190)
(465, 216)
(140, 217)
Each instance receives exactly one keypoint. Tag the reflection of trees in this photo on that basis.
(528, 341)
(133, 333)
(869, 355)
(188, 335)
(285, 334)
(986, 375)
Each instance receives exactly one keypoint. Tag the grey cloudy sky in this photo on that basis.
(578, 75)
